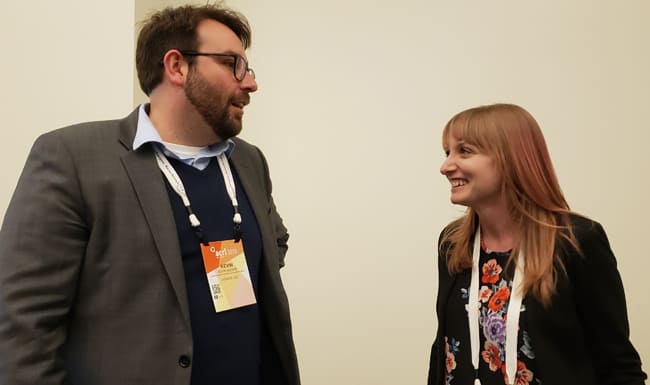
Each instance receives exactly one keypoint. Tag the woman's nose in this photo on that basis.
(447, 165)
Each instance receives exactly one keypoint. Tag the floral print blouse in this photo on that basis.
(494, 295)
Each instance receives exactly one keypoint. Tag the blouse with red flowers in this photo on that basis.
(494, 296)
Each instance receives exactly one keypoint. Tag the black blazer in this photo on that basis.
(583, 336)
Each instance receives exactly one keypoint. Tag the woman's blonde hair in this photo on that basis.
(536, 204)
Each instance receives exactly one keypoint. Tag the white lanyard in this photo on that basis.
(177, 185)
(514, 308)
(230, 186)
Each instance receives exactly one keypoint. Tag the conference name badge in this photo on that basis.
(228, 276)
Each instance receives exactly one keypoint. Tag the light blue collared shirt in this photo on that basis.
(146, 133)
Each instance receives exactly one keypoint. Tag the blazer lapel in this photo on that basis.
(242, 166)
(152, 195)
(255, 191)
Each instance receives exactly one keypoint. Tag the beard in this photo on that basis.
(212, 105)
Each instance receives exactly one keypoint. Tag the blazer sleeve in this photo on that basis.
(280, 231)
(436, 371)
(42, 244)
(601, 307)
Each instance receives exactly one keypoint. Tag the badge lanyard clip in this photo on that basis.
(177, 185)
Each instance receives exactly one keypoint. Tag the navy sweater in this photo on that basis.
(227, 345)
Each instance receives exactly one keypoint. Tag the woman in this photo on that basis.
(549, 306)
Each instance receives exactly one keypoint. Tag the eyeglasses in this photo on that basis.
(239, 65)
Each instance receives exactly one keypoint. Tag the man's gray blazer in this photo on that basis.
(92, 290)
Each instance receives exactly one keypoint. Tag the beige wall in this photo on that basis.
(353, 95)
(63, 62)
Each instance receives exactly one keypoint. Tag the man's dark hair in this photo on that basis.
(175, 28)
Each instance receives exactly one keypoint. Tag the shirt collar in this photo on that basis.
(147, 133)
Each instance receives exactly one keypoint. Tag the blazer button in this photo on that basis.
(184, 361)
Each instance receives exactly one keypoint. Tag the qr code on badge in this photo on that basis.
(216, 290)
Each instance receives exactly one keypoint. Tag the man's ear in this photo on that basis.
(175, 67)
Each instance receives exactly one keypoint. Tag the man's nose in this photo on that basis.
(249, 83)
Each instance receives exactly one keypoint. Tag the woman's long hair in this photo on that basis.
(533, 196)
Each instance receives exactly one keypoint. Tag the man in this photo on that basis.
(147, 250)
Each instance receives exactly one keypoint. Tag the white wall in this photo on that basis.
(63, 62)
(353, 96)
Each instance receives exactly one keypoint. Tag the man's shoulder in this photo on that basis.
(244, 149)
(250, 158)
(241, 144)
(85, 128)
(94, 131)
